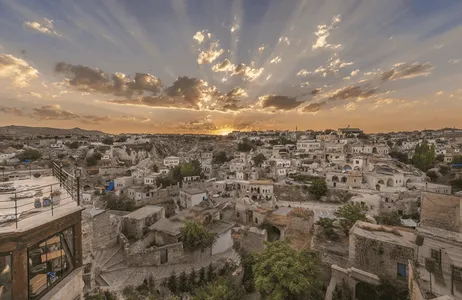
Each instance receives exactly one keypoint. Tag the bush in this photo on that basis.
(318, 188)
(29, 154)
(433, 176)
(392, 219)
(444, 170)
(195, 236)
(328, 227)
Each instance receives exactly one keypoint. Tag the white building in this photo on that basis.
(122, 182)
(171, 161)
(308, 145)
(192, 197)
(58, 144)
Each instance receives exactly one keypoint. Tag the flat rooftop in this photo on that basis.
(168, 226)
(193, 191)
(144, 212)
(219, 226)
(387, 234)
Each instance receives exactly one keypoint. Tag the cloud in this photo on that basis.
(455, 61)
(248, 73)
(17, 70)
(199, 37)
(323, 33)
(54, 112)
(198, 125)
(45, 26)
(406, 71)
(313, 107)
(303, 72)
(210, 54)
(350, 106)
(224, 66)
(89, 80)
(11, 110)
(352, 92)
(276, 60)
(284, 40)
(261, 49)
(277, 102)
(234, 28)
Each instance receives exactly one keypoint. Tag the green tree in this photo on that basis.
(192, 279)
(248, 262)
(392, 219)
(244, 146)
(328, 228)
(220, 158)
(195, 236)
(183, 282)
(424, 156)
(388, 289)
(74, 145)
(29, 154)
(108, 141)
(221, 288)
(259, 159)
(210, 273)
(155, 168)
(318, 187)
(121, 139)
(192, 168)
(433, 175)
(350, 213)
(172, 283)
(440, 158)
(444, 169)
(400, 156)
(282, 272)
(202, 278)
(457, 159)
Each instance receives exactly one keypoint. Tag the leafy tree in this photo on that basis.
(457, 159)
(195, 236)
(165, 181)
(424, 156)
(282, 272)
(202, 278)
(392, 219)
(388, 289)
(192, 168)
(433, 175)
(74, 145)
(248, 262)
(244, 147)
(91, 161)
(122, 139)
(456, 185)
(259, 159)
(328, 227)
(440, 158)
(29, 154)
(118, 202)
(155, 168)
(210, 273)
(318, 187)
(444, 169)
(400, 156)
(350, 213)
(220, 158)
(183, 282)
(108, 141)
(221, 288)
(192, 279)
(172, 283)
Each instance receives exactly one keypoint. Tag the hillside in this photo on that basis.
(13, 130)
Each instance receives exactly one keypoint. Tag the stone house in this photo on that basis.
(381, 250)
(136, 224)
(192, 197)
(171, 161)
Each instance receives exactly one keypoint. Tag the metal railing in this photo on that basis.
(24, 201)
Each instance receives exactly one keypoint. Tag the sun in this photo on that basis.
(224, 131)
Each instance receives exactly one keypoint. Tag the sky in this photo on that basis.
(201, 66)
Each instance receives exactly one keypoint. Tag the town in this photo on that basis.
(336, 214)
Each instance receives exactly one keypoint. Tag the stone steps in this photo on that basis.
(100, 281)
(108, 255)
(115, 260)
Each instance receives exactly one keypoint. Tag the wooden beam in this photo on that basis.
(20, 288)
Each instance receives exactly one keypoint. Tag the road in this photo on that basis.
(321, 210)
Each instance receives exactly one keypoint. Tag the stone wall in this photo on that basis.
(71, 287)
(441, 211)
(415, 292)
(378, 257)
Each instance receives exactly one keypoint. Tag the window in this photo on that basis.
(401, 271)
(5, 276)
(436, 255)
(50, 261)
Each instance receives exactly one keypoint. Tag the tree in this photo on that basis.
(248, 262)
(29, 154)
(192, 279)
(400, 156)
(391, 219)
(328, 227)
(440, 158)
(244, 146)
(172, 282)
(183, 282)
(433, 175)
(108, 141)
(444, 169)
(122, 139)
(363, 136)
(192, 168)
(282, 272)
(350, 213)
(457, 159)
(424, 156)
(155, 168)
(221, 288)
(259, 159)
(210, 273)
(195, 236)
(318, 187)
(74, 145)
(165, 181)
(220, 158)
(202, 278)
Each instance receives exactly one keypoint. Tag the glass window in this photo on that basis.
(5, 276)
(401, 270)
(50, 261)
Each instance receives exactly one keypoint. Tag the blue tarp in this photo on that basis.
(111, 186)
(456, 165)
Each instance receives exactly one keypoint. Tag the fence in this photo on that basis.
(20, 202)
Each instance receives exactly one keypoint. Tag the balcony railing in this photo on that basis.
(18, 202)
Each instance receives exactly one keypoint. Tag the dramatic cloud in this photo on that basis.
(45, 26)
(352, 92)
(303, 72)
(279, 102)
(94, 80)
(313, 107)
(405, 71)
(11, 110)
(224, 66)
(276, 60)
(248, 73)
(323, 33)
(54, 112)
(200, 36)
(17, 70)
(210, 54)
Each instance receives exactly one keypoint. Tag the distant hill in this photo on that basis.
(13, 130)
